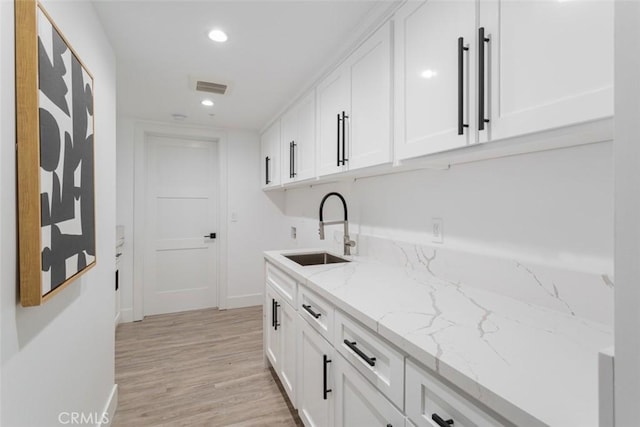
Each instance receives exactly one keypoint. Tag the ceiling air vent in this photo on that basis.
(211, 87)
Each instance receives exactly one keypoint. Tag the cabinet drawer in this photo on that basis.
(317, 311)
(427, 396)
(359, 403)
(377, 360)
(281, 282)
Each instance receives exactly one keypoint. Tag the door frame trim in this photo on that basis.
(142, 130)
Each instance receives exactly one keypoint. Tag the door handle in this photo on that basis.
(210, 236)
(461, 49)
(481, 66)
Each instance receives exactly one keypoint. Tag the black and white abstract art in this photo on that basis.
(65, 99)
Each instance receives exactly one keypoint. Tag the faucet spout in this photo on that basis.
(347, 242)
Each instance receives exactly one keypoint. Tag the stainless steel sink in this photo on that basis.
(317, 258)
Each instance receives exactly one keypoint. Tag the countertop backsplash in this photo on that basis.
(582, 294)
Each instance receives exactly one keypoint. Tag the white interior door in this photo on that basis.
(181, 209)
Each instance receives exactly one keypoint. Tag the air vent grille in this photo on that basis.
(211, 87)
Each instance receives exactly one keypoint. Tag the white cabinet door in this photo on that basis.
(270, 159)
(287, 369)
(358, 403)
(370, 115)
(298, 141)
(315, 385)
(272, 337)
(333, 100)
(427, 76)
(548, 64)
(305, 151)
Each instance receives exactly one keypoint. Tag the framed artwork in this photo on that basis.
(55, 149)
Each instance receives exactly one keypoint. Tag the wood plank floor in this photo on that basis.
(197, 368)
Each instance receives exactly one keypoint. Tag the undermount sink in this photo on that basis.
(317, 258)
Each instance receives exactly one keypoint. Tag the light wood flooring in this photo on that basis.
(197, 368)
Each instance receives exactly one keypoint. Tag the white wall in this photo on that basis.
(552, 208)
(59, 356)
(252, 232)
(627, 205)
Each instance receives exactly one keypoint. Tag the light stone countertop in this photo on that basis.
(532, 365)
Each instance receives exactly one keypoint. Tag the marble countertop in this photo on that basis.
(533, 365)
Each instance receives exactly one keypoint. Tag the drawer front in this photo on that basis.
(359, 403)
(377, 360)
(428, 398)
(282, 282)
(317, 311)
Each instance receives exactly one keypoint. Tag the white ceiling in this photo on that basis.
(275, 49)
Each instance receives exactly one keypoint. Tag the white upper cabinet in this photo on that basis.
(481, 71)
(354, 109)
(298, 141)
(333, 102)
(270, 156)
(435, 64)
(548, 64)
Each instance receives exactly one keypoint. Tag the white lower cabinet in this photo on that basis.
(358, 402)
(280, 340)
(430, 403)
(315, 385)
(337, 372)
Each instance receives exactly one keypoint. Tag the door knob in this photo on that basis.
(210, 235)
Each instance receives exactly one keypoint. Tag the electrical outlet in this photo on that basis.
(294, 233)
(437, 230)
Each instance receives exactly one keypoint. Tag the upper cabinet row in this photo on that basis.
(464, 73)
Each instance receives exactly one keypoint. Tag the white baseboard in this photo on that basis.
(126, 315)
(244, 301)
(110, 407)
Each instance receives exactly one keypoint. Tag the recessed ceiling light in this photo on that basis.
(218, 36)
(207, 103)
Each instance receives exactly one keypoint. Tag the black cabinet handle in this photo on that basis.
(210, 236)
(352, 345)
(325, 391)
(344, 138)
(338, 140)
(310, 311)
(481, 86)
(461, 50)
(266, 169)
(442, 423)
(275, 315)
(292, 159)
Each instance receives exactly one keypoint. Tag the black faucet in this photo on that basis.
(348, 243)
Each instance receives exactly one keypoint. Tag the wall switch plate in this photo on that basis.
(294, 233)
(234, 216)
(437, 230)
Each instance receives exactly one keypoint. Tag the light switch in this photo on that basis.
(234, 216)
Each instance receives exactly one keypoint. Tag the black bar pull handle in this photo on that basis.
(210, 236)
(338, 139)
(325, 391)
(266, 170)
(275, 315)
(290, 160)
(352, 345)
(481, 84)
(442, 423)
(293, 159)
(461, 50)
(310, 311)
(344, 138)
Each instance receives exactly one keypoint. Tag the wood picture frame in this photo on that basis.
(55, 157)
